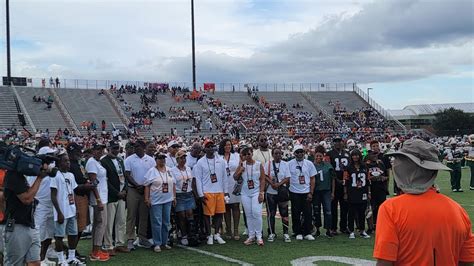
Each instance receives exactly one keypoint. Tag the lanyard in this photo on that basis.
(209, 166)
(300, 167)
(263, 155)
(162, 179)
(68, 183)
(247, 172)
(181, 172)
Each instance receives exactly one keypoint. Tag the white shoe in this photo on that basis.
(271, 237)
(184, 241)
(218, 238)
(309, 237)
(74, 261)
(51, 254)
(352, 236)
(167, 247)
(245, 233)
(157, 249)
(47, 262)
(287, 238)
(299, 237)
(210, 240)
(364, 235)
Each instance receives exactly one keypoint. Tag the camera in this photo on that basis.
(15, 158)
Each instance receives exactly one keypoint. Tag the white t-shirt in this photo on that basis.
(138, 167)
(156, 180)
(262, 156)
(283, 172)
(202, 172)
(120, 173)
(230, 168)
(44, 192)
(170, 161)
(306, 170)
(190, 160)
(65, 184)
(251, 179)
(182, 177)
(94, 167)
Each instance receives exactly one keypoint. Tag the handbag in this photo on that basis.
(283, 192)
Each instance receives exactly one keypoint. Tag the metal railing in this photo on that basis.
(219, 86)
(23, 108)
(378, 108)
(64, 112)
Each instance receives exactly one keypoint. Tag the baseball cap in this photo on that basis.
(97, 146)
(72, 147)
(298, 147)
(160, 155)
(208, 142)
(173, 143)
(180, 154)
(113, 144)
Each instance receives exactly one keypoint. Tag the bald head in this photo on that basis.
(196, 149)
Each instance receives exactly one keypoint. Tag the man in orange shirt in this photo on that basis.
(421, 227)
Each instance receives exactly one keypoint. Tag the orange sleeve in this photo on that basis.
(467, 250)
(386, 238)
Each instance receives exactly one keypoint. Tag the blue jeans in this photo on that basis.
(322, 197)
(160, 223)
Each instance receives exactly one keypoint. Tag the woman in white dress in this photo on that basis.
(232, 206)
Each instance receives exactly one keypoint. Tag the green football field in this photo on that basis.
(278, 252)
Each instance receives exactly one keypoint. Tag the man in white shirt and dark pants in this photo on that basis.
(136, 166)
(210, 177)
(302, 184)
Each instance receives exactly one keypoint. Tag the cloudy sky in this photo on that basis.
(409, 51)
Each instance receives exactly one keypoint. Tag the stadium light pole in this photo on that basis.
(193, 45)
(9, 73)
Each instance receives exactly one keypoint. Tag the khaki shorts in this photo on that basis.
(214, 203)
(82, 212)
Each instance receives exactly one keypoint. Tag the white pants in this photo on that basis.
(116, 217)
(253, 212)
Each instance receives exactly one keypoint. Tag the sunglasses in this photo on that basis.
(299, 151)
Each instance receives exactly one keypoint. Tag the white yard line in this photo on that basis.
(228, 259)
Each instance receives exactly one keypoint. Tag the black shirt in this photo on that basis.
(339, 161)
(16, 184)
(76, 170)
(376, 184)
(357, 184)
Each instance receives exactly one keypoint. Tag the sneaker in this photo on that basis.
(62, 263)
(144, 244)
(245, 233)
(249, 241)
(364, 235)
(460, 190)
(167, 247)
(317, 233)
(334, 232)
(99, 256)
(455, 190)
(287, 238)
(471, 188)
(329, 234)
(122, 249)
(51, 254)
(352, 236)
(218, 238)
(130, 245)
(184, 241)
(47, 262)
(157, 249)
(299, 237)
(111, 252)
(210, 240)
(74, 261)
(260, 242)
(345, 231)
(271, 237)
(309, 237)
(81, 258)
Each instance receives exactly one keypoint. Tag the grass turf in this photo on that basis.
(278, 252)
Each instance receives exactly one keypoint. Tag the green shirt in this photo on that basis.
(324, 176)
